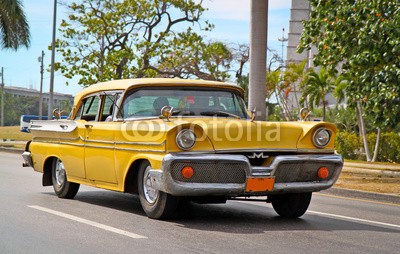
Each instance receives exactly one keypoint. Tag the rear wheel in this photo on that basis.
(291, 205)
(155, 203)
(61, 186)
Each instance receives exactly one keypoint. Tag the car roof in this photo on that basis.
(123, 84)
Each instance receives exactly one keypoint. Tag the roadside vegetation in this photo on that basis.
(358, 61)
(12, 133)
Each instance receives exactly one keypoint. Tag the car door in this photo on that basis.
(99, 142)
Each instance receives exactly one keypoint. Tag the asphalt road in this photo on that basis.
(34, 220)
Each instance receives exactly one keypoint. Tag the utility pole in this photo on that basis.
(53, 52)
(283, 39)
(40, 60)
(2, 96)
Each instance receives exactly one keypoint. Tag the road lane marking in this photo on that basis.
(357, 199)
(88, 222)
(354, 219)
(337, 216)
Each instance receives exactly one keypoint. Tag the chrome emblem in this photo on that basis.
(258, 156)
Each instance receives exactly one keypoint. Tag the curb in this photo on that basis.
(371, 171)
(373, 196)
(11, 150)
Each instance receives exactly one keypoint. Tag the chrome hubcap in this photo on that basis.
(150, 193)
(60, 173)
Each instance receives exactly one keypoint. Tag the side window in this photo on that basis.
(108, 108)
(79, 112)
(90, 108)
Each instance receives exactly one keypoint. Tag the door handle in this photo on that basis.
(88, 125)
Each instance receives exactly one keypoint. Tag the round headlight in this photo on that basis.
(321, 137)
(185, 139)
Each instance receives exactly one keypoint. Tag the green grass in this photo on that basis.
(13, 133)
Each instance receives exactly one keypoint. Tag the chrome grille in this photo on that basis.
(301, 172)
(211, 172)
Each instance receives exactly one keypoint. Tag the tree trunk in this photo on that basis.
(258, 58)
(376, 150)
(362, 131)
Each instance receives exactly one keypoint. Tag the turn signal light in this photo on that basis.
(187, 172)
(323, 172)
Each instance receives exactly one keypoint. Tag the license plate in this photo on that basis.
(260, 184)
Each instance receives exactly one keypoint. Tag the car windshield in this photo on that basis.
(185, 102)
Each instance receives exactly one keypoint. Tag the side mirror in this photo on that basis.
(57, 113)
(253, 114)
(166, 112)
(304, 113)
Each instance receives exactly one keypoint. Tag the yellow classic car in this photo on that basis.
(173, 141)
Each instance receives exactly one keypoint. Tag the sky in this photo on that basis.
(230, 17)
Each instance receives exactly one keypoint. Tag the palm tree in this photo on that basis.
(14, 28)
(317, 86)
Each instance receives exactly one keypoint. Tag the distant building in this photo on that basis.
(300, 11)
(25, 92)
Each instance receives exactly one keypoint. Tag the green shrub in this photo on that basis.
(348, 145)
(389, 149)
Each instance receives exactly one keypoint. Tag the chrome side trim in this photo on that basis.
(139, 150)
(71, 144)
(98, 141)
(103, 147)
(100, 147)
(124, 143)
(140, 143)
(56, 139)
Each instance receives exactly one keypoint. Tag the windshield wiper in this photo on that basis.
(218, 113)
(182, 113)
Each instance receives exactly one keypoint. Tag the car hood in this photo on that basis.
(230, 134)
(234, 134)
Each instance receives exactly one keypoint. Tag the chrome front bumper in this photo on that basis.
(289, 172)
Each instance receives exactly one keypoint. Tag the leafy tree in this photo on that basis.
(283, 83)
(243, 82)
(14, 107)
(210, 61)
(14, 28)
(293, 81)
(115, 39)
(362, 37)
(345, 119)
(241, 54)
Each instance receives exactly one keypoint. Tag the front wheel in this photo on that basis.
(61, 186)
(155, 203)
(291, 205)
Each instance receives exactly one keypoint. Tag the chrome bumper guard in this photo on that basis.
(27, 159)
(282, 167)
